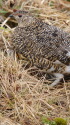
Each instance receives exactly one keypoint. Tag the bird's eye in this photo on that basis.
(20, 15)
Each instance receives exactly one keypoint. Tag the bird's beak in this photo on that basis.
(11, 15)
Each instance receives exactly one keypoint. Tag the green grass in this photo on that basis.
(56, 121)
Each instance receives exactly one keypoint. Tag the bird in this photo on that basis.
(41, 44)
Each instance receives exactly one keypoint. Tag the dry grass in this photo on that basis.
(23, 98)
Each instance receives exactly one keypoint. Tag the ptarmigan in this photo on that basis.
(42, 44)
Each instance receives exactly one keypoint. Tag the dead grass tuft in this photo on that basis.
(24, 98)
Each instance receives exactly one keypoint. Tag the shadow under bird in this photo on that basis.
(46, 47)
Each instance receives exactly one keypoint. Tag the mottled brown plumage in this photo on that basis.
(41, 43)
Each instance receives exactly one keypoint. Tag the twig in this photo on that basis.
(5, 22)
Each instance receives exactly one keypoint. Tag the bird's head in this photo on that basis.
(24, 18)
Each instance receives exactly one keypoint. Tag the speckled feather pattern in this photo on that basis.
(41, 43)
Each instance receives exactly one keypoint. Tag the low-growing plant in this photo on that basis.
(48, 121)
(60, 121)
(56, 121)
(68, 0)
